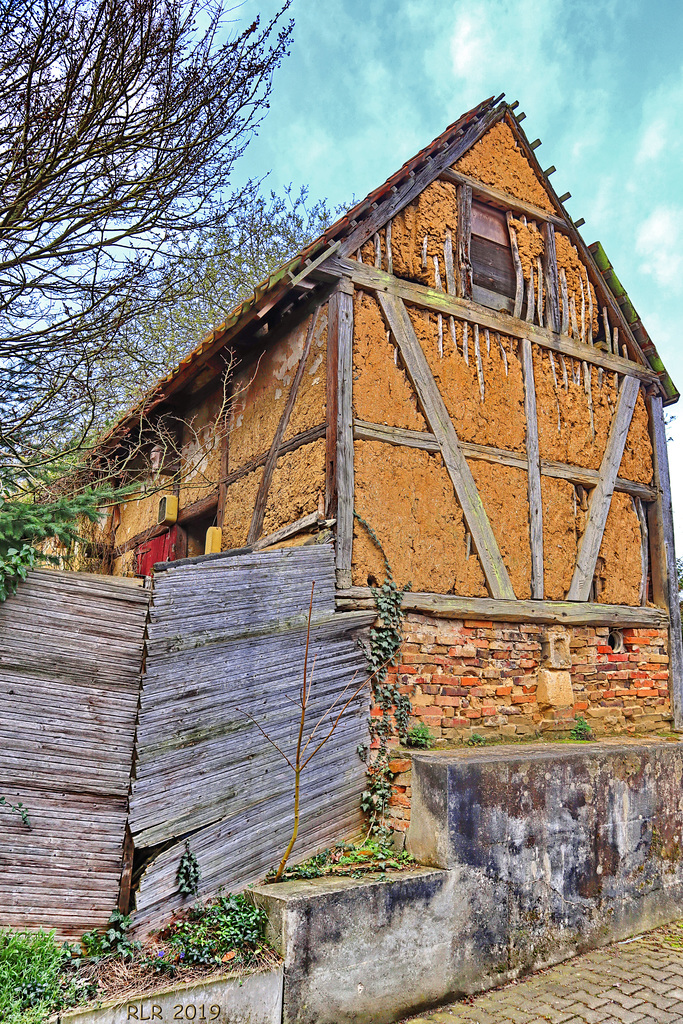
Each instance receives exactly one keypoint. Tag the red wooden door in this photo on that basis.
(165, 548)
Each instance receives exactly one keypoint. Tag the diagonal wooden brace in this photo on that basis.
(601, 496)
(440, 424)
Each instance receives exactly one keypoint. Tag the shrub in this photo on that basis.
(208, 932)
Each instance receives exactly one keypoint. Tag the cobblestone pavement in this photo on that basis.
(639, 981)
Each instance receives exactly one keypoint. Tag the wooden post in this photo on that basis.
(340, 335)
(332, 407)
(663, 556)
(126, 871)
(534, 473)
(463, 277)
(550, 274)
(601, 496)
(225, 457)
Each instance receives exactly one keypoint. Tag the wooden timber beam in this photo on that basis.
(486, 608)
(271, 461)
(331, 408)
(405, 193)
(503, 200)
(588, 478)
(340, 330)
(533, 472)
(601, 496)
(436, 415)
(224, 436)
(373, 280)
(305, 437)
(663, 556)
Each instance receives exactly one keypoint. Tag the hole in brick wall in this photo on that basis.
(616, 640)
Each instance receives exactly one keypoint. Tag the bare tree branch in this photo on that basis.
(120, 125)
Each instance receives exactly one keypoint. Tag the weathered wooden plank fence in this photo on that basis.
(226, 639)
(101, 763)
(70, 656)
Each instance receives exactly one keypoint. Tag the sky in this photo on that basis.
(370, 82)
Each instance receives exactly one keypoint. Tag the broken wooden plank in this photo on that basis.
(601, 496)
(519, 276)
(449, 264)
(550, 277)
(463, 262)
(439, 421)
(534, 472)
(290, 530)
(564, 324)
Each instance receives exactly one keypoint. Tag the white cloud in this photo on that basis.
(653, 141)
(470, 47)
(659, 244)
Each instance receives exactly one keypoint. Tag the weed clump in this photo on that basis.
(581, 729)
(419, 737)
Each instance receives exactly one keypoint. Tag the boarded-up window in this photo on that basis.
(493, 273)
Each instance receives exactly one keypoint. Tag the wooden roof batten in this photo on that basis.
(303, 279)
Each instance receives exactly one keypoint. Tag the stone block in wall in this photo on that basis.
(554, 688)
(555, 649)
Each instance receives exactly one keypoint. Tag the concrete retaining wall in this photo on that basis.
(251, 999)
(362, 950)
(560, 847)
(537, 853)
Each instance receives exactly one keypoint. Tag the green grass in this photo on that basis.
(31, 985)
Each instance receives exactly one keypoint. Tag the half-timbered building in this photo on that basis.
(453, 387)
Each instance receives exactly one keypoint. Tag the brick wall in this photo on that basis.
(508, 681)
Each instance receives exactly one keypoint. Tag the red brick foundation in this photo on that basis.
(466, 676)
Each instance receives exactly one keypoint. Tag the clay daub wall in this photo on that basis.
(405, 497)
(260, 392)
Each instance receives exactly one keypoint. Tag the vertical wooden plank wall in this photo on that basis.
(226, 641)
(70, 659)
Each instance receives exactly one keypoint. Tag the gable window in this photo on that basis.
(493, 272)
